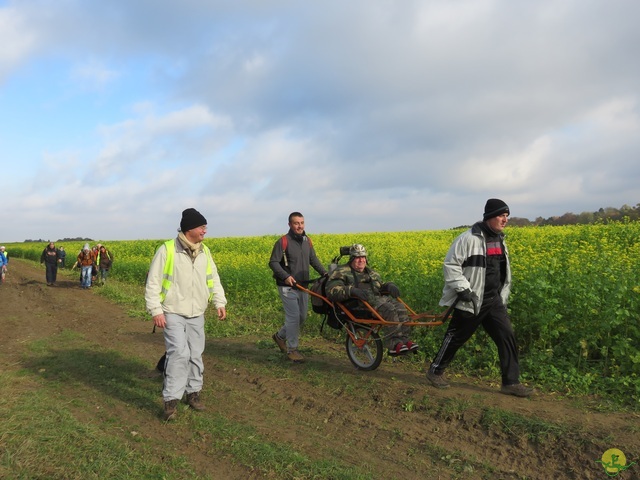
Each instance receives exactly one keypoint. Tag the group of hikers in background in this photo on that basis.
(94, 263)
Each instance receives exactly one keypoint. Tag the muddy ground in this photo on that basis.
(390, 421)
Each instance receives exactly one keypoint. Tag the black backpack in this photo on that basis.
(321, 307)
(162, 363)
(318, 305)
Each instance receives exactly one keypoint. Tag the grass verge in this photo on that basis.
(61, 420)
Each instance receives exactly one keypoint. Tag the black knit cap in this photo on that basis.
(191, 218)
(494, 207)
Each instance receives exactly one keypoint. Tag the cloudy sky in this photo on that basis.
(365, 115)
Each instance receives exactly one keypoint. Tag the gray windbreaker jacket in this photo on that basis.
(464, 267)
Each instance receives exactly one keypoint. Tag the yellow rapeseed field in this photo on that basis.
(575, 302)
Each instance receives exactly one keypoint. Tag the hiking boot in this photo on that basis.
(193, 400)
(170, 410)
(412, 346)
(282, 345)
(517, 390)
(295, 356)
(438, 381)
(399, 349)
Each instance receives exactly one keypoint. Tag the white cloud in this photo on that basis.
(93, 74)
(365, 115)
(17, 40)
(155, 141)
(513, 171)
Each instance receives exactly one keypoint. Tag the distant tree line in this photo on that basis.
(76, 239)
(603, 215)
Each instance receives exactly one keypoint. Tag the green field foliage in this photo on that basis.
(575, 302)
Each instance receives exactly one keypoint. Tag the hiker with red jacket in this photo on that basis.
(86, 261)
(291, 257)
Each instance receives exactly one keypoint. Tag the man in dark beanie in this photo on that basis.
(191, 218)
(494, 208)
(477, 278)
(183, 279)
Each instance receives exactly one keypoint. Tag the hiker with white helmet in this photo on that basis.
(355, 281)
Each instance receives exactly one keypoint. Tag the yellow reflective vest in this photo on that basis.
(179, 284)
(167, 274)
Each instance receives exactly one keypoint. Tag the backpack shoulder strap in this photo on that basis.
(284, 241)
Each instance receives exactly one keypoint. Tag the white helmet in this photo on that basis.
(357, 250)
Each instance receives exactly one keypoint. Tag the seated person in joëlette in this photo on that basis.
(355, 281)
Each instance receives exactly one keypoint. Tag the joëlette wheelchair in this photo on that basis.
(363, 324)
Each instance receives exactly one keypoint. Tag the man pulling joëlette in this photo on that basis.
(290, 265)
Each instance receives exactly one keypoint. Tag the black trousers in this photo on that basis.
(52, 272)
(494, 319)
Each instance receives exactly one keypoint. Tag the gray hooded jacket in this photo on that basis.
(465, 267)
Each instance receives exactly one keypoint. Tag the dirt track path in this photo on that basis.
(389, 420)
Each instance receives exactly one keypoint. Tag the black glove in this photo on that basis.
(359, 293)
(465, 295)
(391, 288)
